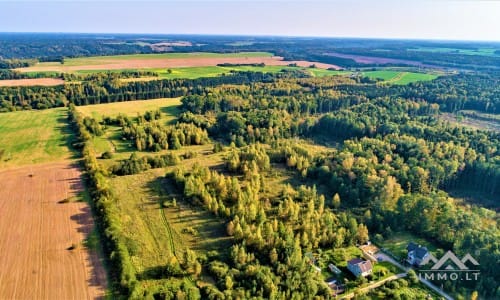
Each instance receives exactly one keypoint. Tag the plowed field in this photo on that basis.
(38, 233)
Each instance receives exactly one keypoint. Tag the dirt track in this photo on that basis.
(118, 64)
(36, 231)
(32, 82)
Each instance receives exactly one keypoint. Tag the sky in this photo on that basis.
(408, 19)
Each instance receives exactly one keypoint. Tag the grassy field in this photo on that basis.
(30, 137)
(155, 233)
(399, 77)
(398, 242)
(111, 141)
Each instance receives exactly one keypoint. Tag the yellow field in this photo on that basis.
(132, 108)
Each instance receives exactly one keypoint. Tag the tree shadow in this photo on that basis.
(68, 135)
(85, 223)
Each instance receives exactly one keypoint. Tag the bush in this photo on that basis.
(107, 155)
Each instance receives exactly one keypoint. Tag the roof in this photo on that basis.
(419, 251)
(364, 265)
(411, 246)
(355, 261)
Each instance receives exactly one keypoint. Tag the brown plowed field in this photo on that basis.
(32, 82)
(36, 232)
(128, 63)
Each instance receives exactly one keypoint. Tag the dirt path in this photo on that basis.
(375, 285)
(36, 232)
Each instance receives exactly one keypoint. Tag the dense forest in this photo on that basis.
(393, 163)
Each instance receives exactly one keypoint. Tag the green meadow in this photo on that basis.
(29, 137)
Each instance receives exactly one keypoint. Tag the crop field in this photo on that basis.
(81, 61)
(32, 82)
(31, 137)
(168, 60)
(132, 108)
(42, 250)
(399, 77)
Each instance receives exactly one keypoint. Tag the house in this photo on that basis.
(417, 254)
(360, 267)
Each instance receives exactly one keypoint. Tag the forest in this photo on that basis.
(391, 166)
(287, 173)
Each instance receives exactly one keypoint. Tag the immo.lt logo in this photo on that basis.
(450, 267)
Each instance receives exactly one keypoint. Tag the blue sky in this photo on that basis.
(427, 19)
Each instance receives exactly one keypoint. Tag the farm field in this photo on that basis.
(169, 60)
(32, 137)
(399, 77)
(41, 246)
(132, 108)
(32, 82)
(213, 71)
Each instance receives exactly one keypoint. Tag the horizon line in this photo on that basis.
(435, 39)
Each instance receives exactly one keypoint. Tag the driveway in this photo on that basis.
(384, 257)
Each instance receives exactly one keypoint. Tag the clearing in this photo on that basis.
(397, 243)
(41, 245)
(31, 137)
(31, 82)
(155, 230)
(474, 120)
